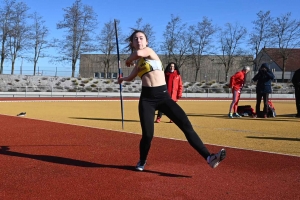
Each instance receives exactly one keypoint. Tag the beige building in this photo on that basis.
(102, 66)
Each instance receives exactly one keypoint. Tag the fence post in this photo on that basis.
(26, 91)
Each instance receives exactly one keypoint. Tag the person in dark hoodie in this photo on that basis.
(296, 83)
(264, 79)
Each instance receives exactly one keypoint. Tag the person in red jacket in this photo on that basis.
(236, 84)
(174, 85)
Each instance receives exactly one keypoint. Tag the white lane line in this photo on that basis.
(175, 139)
(105, 100)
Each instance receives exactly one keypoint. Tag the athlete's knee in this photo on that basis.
(147, 138)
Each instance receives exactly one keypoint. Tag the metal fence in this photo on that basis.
(57, 91)
(217, 75)
(187, 74)
(61, 73)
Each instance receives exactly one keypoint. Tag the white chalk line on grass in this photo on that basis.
(106, 100)
(175, 139)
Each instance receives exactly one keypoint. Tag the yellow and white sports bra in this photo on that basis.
(145, 66)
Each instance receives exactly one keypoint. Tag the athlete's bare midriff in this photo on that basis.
(154, 79)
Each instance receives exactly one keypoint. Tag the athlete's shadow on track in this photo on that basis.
(4, 150)
(104, 119)
(289, 117)
(204, 115)
(274, 138)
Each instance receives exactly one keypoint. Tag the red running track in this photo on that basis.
(45, 160)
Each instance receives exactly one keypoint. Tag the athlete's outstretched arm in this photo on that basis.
(131, 76)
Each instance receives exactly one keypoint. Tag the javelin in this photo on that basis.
(120, 74)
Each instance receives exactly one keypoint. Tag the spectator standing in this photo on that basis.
(264, 79)
(296, 83)
(174, 85)
(236, 84)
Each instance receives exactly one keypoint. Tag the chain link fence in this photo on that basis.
(127, 89)
(62, 73)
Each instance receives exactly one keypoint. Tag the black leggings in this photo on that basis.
(265, 97)
(159, 114)
(158, 98)
(297, 98)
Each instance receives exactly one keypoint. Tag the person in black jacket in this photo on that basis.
(264, 79)
(296, 83)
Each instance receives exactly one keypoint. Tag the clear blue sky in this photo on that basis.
(158, 14)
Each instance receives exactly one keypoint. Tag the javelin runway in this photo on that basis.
(78, 150)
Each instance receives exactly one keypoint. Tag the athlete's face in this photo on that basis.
(139, 41)
(172, 67)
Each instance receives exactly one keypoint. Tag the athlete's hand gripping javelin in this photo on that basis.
(129, 63)
(132, 75)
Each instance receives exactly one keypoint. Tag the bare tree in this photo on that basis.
(176, 42)
(260, 35)
(18, 34)
(79, 22)
(107, 44)
(6, 13)
(38, 35)
(286, 35)
(200, 39)
(230, 39)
